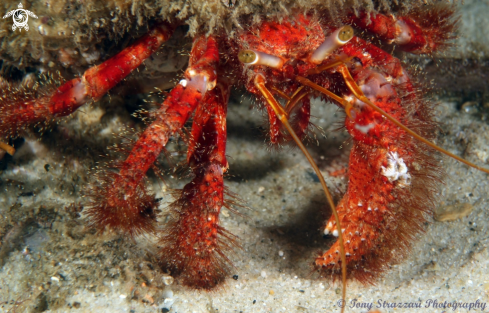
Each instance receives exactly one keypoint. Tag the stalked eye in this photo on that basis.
(346, 33)
(335, 40)
(247, 56)
(250, 57)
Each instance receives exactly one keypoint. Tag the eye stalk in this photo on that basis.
(337, 39)
(252, 57)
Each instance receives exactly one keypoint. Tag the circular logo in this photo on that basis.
(20, 17)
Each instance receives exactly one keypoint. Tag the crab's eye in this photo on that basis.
(346, 33)
(251, 57)
(247, 56)
(337, 39)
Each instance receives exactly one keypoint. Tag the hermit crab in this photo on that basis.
(283, 62)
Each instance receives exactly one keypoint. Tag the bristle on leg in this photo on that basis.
(111, 208)
(194, 244)
(118, 197)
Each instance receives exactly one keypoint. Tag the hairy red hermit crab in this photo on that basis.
(283, 62)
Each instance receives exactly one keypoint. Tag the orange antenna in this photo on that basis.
(9, 149)
(282, 115)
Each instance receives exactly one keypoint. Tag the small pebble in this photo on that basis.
(167, 280)
(281, 253)
(453, 212)
(470, 107)
(263, 274)
(167, 294)
(433, 267)
(261, 189)
(149, 299)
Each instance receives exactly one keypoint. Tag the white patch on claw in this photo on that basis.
(396, 170)
(335, 232)
(364, 128)
(404, 33)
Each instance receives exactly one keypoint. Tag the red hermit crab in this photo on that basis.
(392, 170)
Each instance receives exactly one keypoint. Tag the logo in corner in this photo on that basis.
(20, 17)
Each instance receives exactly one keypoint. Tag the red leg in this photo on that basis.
(193, 242)
(274, 132)
(391, 68)
(120, 201)
(18, 113)
(301, 114)
(422, 31)
(300, 121)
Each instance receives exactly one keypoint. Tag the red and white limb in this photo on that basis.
(392, 171)
(18, 113)
(116, 203)
(421, 31)
(193, 241)
(391, 177)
